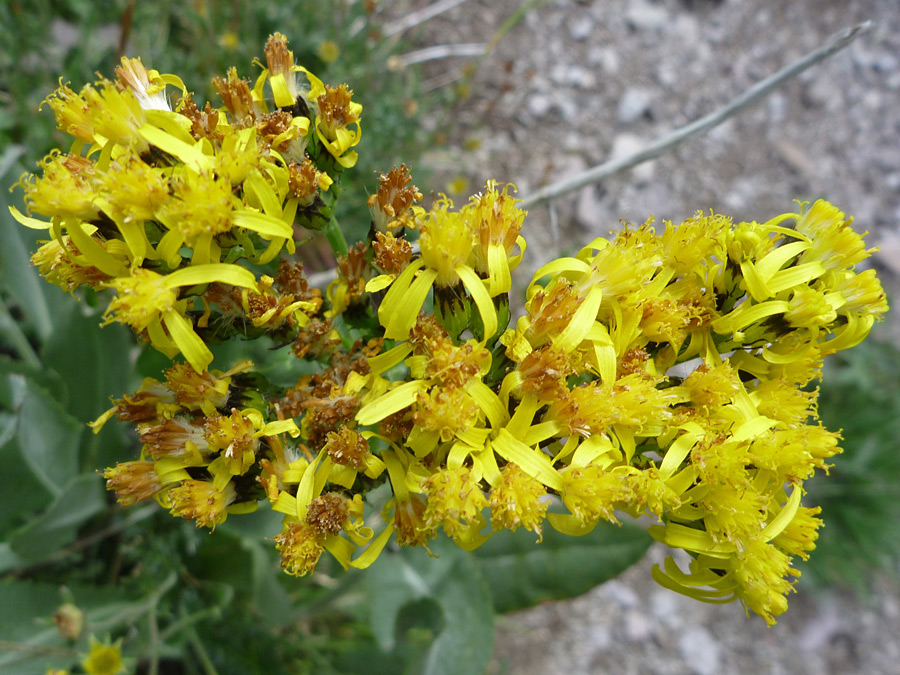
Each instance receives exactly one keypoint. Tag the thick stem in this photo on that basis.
(335, 237)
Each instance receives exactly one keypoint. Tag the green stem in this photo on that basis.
(153, 667)
(201, 653)
(335, 237)
(11, 330)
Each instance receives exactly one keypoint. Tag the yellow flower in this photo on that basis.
(498, 221)
(409, 522)
(133, 481)
(149, 301)
(280, 75)
(455, 502)
(328, 51)
(763, 572)
(55, 261)
(103, 658)
(301, 547)
(201, 501)
(69, 620)
(68, 188)
(834, 242)
(149, 87)
(713, 387)
(236, 438)
(338, 124)
(445, 411)
(392, 206)
(591, 493)
(446, 242)
(517, 499)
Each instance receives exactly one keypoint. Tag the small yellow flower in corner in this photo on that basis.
(103, 658)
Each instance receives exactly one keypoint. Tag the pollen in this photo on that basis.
(305, 181)
(455, 501)
(279, 58)
(200, 501)
(544, 372)
(391, 205)
(327, 514)
(551, 310)
(140, 298)
(300, 546)
(347, 447)
(335, 109)
(198, 391)
(392, 254)
(447, 411)
(236, 95)
(133, 481)
(517, 500)
(446, 240)
(234, 437)
(201, 203)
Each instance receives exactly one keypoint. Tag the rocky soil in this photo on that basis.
(575, 83)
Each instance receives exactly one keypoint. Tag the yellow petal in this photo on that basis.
(373, 550)
(393, 401)
(188, 153)
(262, 223)
(96, 254)
(569, 525)
(27, 221)
(379, 283)
(581, 323)
(281, 427)
(785, 516)
(340, 548)
(225, 273)
(404, 299)
(281, 94)
(531, 461)
(189, 343)
(481, 297)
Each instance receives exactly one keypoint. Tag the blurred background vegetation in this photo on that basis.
(185, 601)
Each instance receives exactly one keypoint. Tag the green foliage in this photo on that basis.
(860, 500)
(560, 566)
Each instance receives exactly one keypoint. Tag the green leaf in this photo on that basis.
(522, 573)
(239, 555)
(58, 525)
(48, 438)
(22, 492)
(17, 276)
(102, 366)
(33, 643)
(411, 592)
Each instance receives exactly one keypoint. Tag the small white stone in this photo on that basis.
(633, 104)
(644, 16)
(700, 651)
(627, 144)
(538, 105)
(664, 606)
(621, 594)
(581, 27)
(637, 627)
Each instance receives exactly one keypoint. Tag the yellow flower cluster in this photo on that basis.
(160, 203)
(660, 373)
(664, 373)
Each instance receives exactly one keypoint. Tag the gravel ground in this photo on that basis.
(575, 83)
